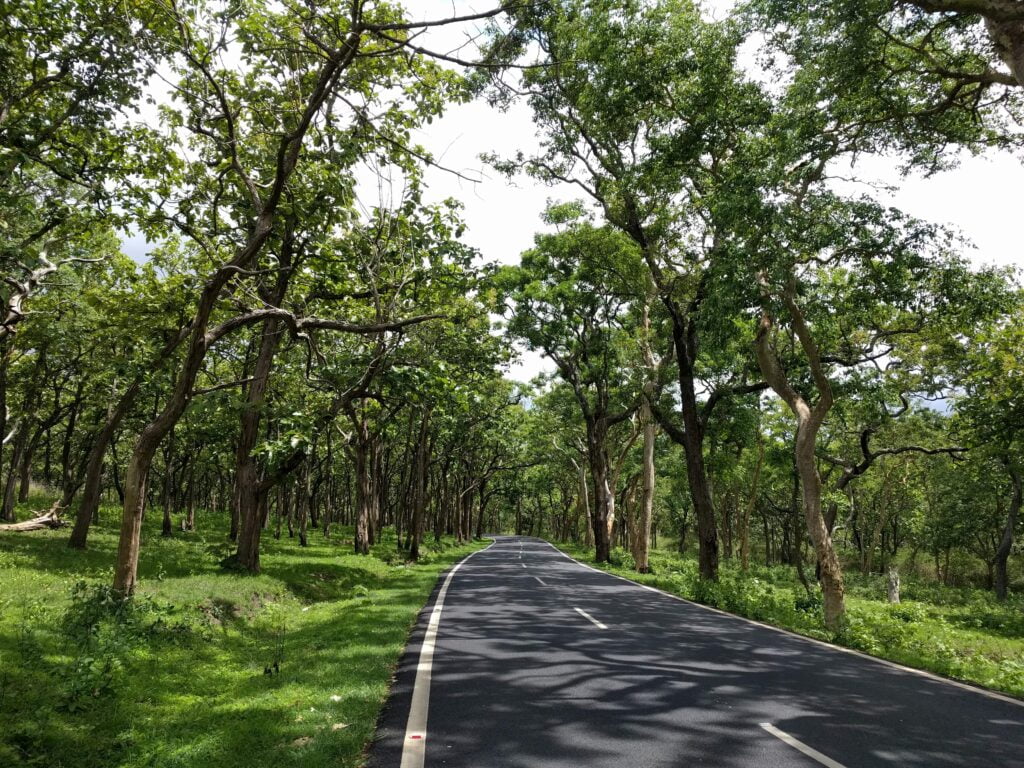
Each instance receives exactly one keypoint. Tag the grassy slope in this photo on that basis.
(182, 683)
(958, 632)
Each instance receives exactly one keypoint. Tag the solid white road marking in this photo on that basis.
(538, 578)
(804, 638)
(590, 618)
(414, 748)
(799, 745)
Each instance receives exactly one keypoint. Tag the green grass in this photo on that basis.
(958, 632)
(178, 679)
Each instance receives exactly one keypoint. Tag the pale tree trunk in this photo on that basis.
(642, 536)
(1002, 580)
(1008, 39)
(583, 503)
(10, 487)
(893, 585)
(365, 492)
(809, 421)
(641, 553)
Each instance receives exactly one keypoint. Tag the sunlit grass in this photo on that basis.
(190, 689)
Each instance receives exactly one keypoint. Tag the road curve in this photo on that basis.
(541, 661)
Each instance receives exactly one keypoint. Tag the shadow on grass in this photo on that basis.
(195, 693)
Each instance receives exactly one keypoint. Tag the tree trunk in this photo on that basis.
(303, 503)
(604, 503)
(364, 487)
(809, 421)
(693, 449)
(89, 508)
(810, 481)
(749, 508)
(419, 491)
(10, 487)
(246, 494)
(1002, 581)
(893, 585)
(642, 536)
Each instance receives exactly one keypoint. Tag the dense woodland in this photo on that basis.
(750, 361)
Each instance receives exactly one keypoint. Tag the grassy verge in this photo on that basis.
(181, 677)
(957, 632)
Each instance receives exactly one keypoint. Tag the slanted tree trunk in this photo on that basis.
(89, 508)
(809, 422)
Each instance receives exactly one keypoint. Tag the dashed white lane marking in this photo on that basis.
(414, 748)
(799, 745)
(542, 582)
(523, 564)
(590, 618)
(803, 638)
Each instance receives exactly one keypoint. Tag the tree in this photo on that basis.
(643, 108)
(560, 302)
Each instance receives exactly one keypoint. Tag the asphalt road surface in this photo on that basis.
(538, 660)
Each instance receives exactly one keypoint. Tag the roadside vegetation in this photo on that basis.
(959, 632)
(261, 371)
(205, 666)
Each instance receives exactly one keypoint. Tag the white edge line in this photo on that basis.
(414, 745)
(590, 618)
(816, 641)
(811, 752)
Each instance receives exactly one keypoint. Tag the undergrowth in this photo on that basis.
(204, 667)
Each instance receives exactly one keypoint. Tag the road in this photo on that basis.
(541, 661)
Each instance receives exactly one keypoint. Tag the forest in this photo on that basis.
(252, 448)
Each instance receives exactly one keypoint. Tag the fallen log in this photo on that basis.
(49, 519)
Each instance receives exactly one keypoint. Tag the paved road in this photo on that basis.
(523, 677)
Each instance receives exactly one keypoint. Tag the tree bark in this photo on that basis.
(809, 421)
(364, 486)
(749, 508)
(89, 507)
(419, 491)
(642, 538)
(1002, 580)
(247, 480)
